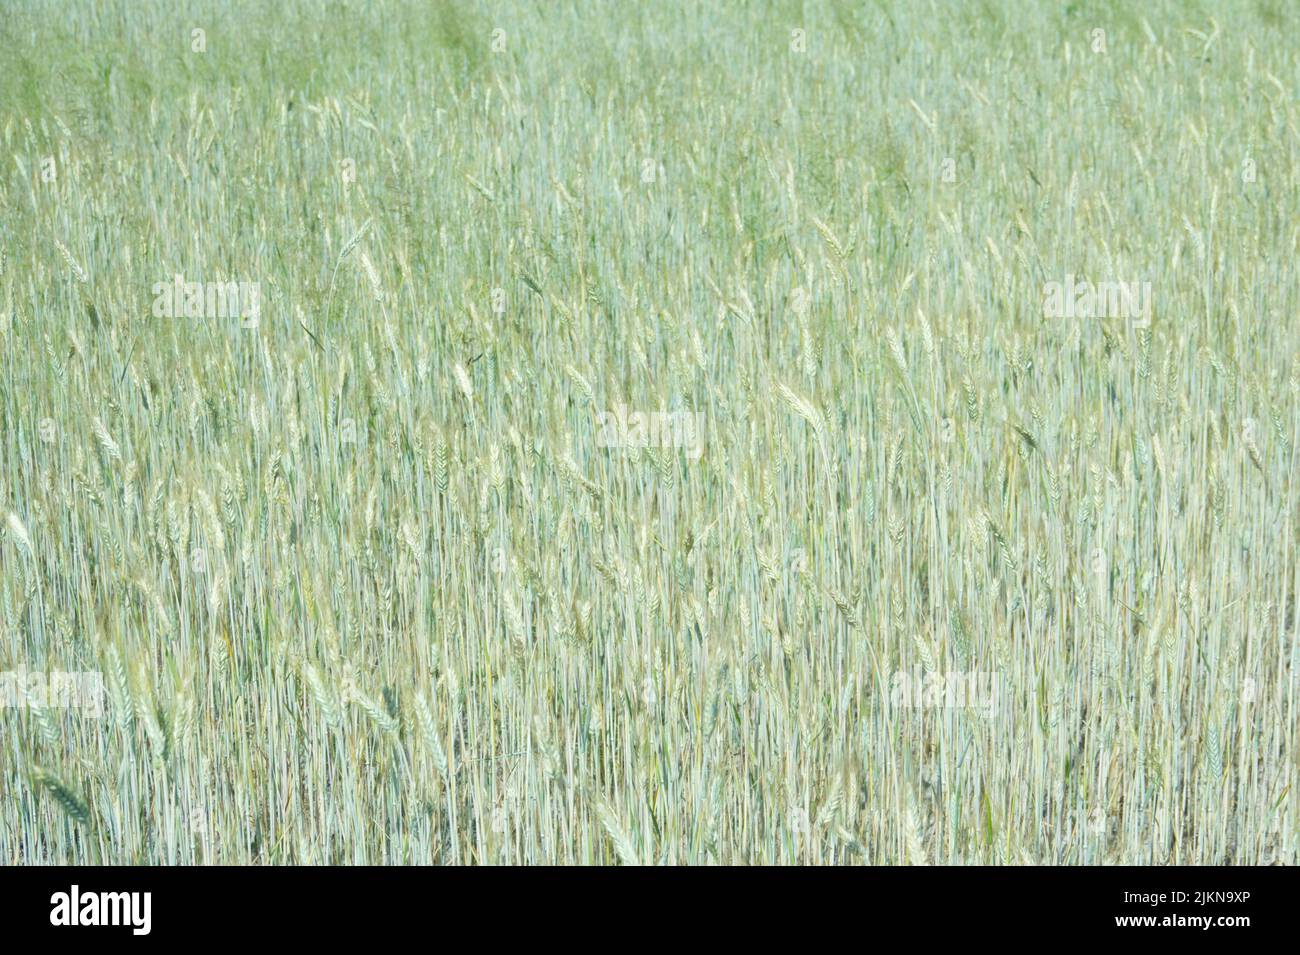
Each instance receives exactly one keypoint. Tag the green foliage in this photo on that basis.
(366, 581)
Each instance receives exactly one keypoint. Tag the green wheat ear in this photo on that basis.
(73, 806)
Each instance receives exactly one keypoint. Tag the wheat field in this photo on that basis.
(598, 433)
